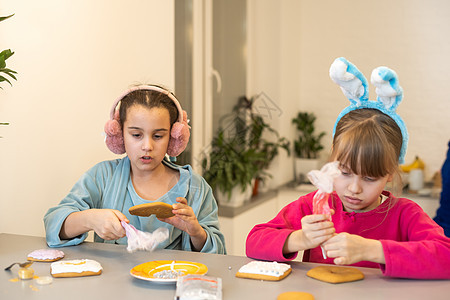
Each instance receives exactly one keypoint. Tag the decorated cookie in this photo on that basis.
(335, 274)
(295, 296)
(160, 209)
(75, 268)
(264, 270)
(45, 255)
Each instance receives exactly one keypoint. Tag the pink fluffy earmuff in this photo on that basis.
(179, 135)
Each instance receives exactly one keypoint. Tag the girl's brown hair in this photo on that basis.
(368, 142)
(149, 99)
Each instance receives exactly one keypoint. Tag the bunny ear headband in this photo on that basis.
(355, 88)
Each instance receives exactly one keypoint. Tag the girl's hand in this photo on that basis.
(316, 229)
(186, 220)
(348, 249)
(106, 223)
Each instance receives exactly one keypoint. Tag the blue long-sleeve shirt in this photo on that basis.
(443, 212)
(108, 185)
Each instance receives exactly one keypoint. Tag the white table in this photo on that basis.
(117, 283)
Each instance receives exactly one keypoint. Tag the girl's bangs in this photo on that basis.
(362, 155)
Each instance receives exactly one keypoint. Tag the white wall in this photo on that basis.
(73, 59)
(301, 38)
(273, 70)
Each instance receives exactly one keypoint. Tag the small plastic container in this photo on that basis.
(198, 287)
(415, 180)
(26, 273)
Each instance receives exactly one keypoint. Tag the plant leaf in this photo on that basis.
(8, 72)
(5, 54)
(5, 79)
(4, 18)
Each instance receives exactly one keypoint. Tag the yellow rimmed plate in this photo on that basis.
(149, 270)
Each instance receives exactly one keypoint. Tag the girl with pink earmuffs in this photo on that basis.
(146, 122)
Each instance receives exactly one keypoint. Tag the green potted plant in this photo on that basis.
(264, 140)
(240, 154)
(4, 55)
(230, 168)
(307, 145)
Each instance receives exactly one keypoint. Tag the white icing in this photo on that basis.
(75, 266)
(46, 254)
(265, 268)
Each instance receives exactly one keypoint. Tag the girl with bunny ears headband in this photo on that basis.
(369, 226)
(369, 137)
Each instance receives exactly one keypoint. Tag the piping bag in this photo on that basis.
(323, 180)
(140, 240)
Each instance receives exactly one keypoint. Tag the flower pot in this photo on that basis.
(302, 166)
(238, 198)
(255, 189)
(261, 186)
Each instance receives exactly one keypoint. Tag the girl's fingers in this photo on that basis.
(320, 228)
(329, 231)
(181, 203)
(331, 244)
(321, 238)
(182, 211)
(120, 216)
(316, 218)
(181, 200)
(166, 220)
(340, 261)
(185, 218)
(334, 251)
(178, 206)
(117, 229)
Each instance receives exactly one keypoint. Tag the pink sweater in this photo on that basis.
(414, 245)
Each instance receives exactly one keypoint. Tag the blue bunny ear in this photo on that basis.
(354, 86)
(350, 79)
(389, 92)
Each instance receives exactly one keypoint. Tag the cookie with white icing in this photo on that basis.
(264, 270)
(75, 268)
(45, 255)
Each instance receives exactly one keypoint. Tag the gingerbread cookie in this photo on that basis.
(295, 296)
(75, 268)
(160, 209)
(335, 274)
(264, 270)
(45, 255)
